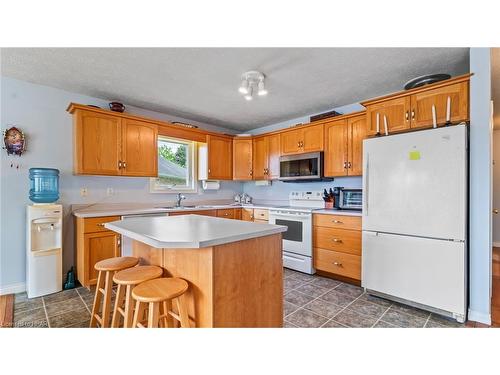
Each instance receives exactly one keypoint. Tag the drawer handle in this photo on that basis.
(338, 264)
(337, 222)
(100, 224)
(336, 240)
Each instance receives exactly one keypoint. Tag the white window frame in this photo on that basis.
(192, 166)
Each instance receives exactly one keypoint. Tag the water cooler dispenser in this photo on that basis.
(44, 234)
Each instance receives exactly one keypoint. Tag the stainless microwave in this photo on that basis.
(301, 167)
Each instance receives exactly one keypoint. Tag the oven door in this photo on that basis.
(298, 238)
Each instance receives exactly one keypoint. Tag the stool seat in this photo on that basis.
(158, 290)
(137, 275)
(116, 264)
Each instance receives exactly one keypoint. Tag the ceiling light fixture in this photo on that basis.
(252, 81)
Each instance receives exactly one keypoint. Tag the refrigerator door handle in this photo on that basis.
(366, 192)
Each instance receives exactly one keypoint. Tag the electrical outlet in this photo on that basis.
(110, 192)
(83, 191)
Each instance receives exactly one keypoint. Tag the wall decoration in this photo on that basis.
(14, 141)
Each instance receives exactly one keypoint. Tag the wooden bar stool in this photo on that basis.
(107, 268)
(126, 280)
(158, 295)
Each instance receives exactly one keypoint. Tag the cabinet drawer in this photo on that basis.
(343, 240)
(346, 265)
(337, 221)
(260, 214)
(227, 213)
(261, 221)
(96, 224)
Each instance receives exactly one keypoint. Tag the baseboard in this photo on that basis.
(12, 288)
(480, 317)
(496, 244)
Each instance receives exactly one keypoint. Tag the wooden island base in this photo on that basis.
(239, 284)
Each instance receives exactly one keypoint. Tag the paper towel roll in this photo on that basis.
(210, 185)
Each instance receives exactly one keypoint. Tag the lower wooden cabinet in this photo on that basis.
(247, 214)
(93, 244)
(337, 263)
(337, 245)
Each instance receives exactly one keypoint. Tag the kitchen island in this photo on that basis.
(234, 268)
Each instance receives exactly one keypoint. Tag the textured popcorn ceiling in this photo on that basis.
(201, 83)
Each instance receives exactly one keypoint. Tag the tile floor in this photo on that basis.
(309, 301)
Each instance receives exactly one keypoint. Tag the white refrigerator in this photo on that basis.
(415, 219)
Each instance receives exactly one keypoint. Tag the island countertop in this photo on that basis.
(190, 231)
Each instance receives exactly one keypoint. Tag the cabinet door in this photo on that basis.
(260, 158)
(220, 157)
(242, 162)
(97, 143)
(99, 246)
(397, 112)
(247, 214)
(273, 159)
(139, 148)
(421, 105)
(335, 163)
(290, 142)
(356, 130)
(312, 138)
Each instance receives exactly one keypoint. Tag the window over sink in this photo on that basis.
(176, 167)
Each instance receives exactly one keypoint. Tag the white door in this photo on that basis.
(427, 271)
(415, 183)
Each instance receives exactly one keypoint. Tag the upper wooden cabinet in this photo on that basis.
(396, 112)
(344, 146)
(266, 155)
(113, 146)
(412, 109)
(220, 157)
(273, 156)
(139, 148)
(422, 102)
(242, 159)
(302, 140)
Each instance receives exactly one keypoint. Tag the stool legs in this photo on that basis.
(183, 313)
(120, 296)
(106, 308)
(129, 307)
(97, 300)
(104, 287)
(153, 314)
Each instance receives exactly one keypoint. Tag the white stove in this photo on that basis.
(297, 240)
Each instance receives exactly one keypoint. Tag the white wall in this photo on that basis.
(480, 186)
(40, 112)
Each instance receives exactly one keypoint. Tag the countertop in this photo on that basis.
(120, 209)
(190, 231)
(338, 212)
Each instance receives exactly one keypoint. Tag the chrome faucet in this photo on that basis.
(180, 198)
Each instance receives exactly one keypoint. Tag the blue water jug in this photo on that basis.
(44, 185)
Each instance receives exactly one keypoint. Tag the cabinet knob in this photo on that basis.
(120, 164)
(407, 116)
(209, 170)
(124, 164)
(349, 165)
(338, 264)
(336, 240)
(495, 211)
(412, 114)
(345, 165)
(337, 221)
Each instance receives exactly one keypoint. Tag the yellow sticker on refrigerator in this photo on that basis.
(414, 155)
